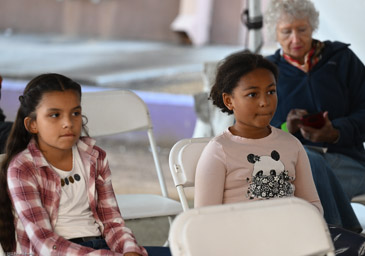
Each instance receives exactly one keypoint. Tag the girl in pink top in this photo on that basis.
(252, 160)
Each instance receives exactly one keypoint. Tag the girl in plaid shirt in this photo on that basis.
(56, 185)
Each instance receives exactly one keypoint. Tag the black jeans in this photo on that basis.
(152, 250)
(347, 243)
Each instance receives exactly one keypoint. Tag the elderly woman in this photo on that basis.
(325, 78)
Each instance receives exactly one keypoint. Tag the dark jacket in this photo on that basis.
(2, 116)
(335, 84)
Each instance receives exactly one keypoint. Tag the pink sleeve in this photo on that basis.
(304, 184)
(210, 176)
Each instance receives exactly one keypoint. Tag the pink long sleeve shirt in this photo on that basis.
(234, 169)
(35, 190)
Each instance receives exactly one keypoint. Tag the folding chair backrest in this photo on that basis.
(120, 111)
(183, 158)
(128, 112)
(285, 227)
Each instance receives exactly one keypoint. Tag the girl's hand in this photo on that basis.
(293, 119)
(132, 254)
(326, 134)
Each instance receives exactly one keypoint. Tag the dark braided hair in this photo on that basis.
(232, 69)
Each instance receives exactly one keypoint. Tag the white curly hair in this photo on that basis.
(296, 9)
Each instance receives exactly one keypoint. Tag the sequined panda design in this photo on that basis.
(269, 177)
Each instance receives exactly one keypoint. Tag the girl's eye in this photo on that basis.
(272, 92)
(252, 94)
(54, 115)
(76, 113)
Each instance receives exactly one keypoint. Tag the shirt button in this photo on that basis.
(54, 247)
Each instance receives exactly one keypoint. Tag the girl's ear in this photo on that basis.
(227, 100)
(30, 125)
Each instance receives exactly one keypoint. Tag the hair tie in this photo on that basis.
(21, 99)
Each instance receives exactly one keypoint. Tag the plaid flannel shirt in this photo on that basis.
(35, 191)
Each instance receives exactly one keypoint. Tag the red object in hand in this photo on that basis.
(313, 120)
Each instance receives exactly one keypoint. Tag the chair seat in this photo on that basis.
(135, 206)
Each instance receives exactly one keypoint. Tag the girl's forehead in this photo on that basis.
(60, 99)
(258, 74)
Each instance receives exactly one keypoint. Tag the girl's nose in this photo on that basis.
(264, 101)
(67, 123)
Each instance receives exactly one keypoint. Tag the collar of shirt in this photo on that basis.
(310, 59)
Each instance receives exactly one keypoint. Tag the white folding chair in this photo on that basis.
(183, 158)
(2, 253)
(121, 111)
(277, 227)
(360, 198)
(358, 204)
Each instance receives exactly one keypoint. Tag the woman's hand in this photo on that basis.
(326, 134)
(293, 119)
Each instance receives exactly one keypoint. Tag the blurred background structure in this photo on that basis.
(156, 48)
(123, 19)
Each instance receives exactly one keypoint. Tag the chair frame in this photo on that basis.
(127, 105)
(182, 171)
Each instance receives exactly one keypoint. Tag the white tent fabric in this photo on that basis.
(342, 21)
(194, 19)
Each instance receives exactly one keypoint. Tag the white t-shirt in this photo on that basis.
(75, 218)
